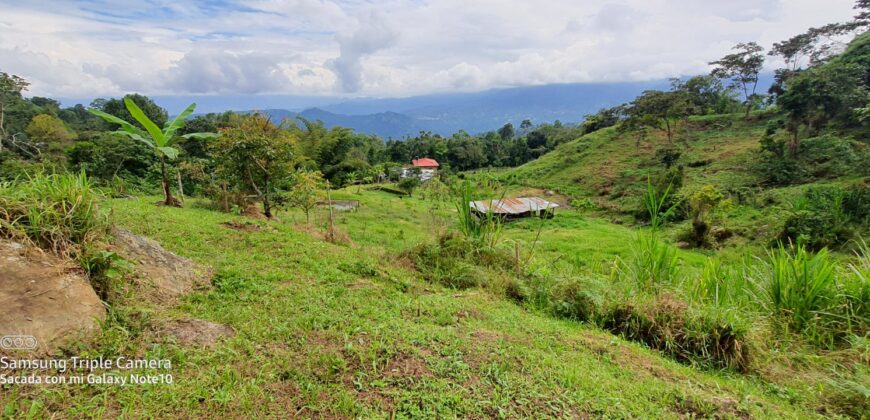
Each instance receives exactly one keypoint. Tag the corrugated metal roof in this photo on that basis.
(512, 205)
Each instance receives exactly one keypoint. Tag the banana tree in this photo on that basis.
(160, 141)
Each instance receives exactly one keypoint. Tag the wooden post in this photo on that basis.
(330, 235)
(226, 198)
(180, 187)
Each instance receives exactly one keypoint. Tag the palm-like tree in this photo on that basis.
(160, 141)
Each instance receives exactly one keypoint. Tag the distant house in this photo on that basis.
(424, 168)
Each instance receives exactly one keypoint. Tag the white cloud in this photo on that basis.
(384, 48)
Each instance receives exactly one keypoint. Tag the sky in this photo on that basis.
(368, 48)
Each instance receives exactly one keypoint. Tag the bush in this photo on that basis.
(460, 263)
(666, 324)
(573, 301)
(823, 157)
(826, 217)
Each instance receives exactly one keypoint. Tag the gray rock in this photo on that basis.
(160, 274)
(45, 297)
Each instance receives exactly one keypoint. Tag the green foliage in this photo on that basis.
(701, 204)
(461, 263)
(106, 271)
(486, 228)
(409, 184)
(59, 213)
(826, 216)
(652, 264)
(720, 285)
(573, 300)
(668, 325)
(809, 296)
(305, 192)
(257, 157)
(161, 141)
(741, 68)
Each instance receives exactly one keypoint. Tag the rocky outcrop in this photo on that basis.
(159, 274)
(45, 297)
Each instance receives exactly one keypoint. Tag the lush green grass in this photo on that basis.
(335, 330)
(607, 171)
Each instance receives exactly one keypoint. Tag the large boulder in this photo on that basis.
(44, 297)
(159, 274)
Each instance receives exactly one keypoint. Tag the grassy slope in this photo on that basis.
(341, 330)
(611, 170)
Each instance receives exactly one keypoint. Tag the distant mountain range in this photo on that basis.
(473, 112)
(440, 113)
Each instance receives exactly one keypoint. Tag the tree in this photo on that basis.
(819, 95)
(258, 156)
(741, 68)
(506, 132)
(409, 184)
(118, 108)
(49, 133)
(662, 110)
(160, 141)
(701, 203)
(11, 87)
(305, 192)
(525, 126)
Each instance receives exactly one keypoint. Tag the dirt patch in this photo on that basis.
(197, 332)
(242, 226)
(254, 212)
(562, 200)
(45, 297)
(405, 365)
(160, 275)
(472, 313)
(716, 408)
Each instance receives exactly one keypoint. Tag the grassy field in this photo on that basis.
(352, 330)
(607, 171)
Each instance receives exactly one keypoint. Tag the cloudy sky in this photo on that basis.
(377, 48)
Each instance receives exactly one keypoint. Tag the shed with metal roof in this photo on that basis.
(515, 207)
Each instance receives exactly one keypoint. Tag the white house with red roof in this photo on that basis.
(424, 168)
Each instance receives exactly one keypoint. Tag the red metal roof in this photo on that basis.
(425, 163)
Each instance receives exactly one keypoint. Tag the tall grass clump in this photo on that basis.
(722, 286)
(652, 262)
(484, 229)
(59, 212)
(807, 293)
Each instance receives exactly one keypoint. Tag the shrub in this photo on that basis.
(667, 324)
(822, 157)
(409, 184)
(825, 216)
(573, 301)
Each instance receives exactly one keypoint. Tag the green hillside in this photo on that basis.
(352, 330)
(607, 171)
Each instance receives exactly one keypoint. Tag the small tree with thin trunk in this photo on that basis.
(257, 156)
(305, 192)
(741, 68)
(160, 141)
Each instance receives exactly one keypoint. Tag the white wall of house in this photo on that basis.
(425, 173)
